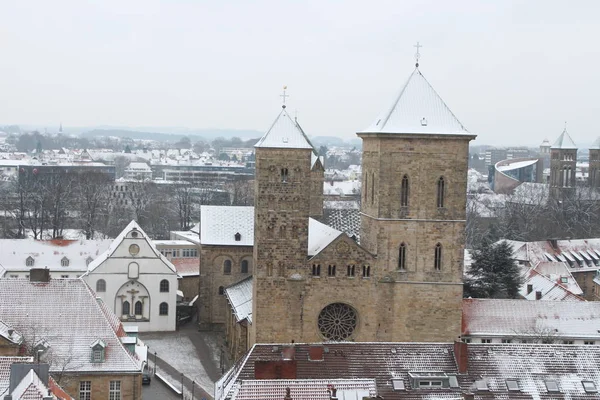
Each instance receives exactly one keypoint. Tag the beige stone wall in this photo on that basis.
(585, 280)
(317, 177)
(211, 305)
(8, 348)
(281, 214)
(131, 385)
(189, 285)
(560, 158)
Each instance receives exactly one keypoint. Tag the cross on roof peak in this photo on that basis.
(417, 54)
(284, 96)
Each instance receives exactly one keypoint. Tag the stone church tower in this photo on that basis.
(563, 160)
(594, 173)
(281, 215)
(414, 184)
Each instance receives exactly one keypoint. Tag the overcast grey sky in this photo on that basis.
(512, 71)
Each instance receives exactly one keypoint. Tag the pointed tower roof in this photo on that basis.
(284, 134)
(564, 141)
(418, 109)
(596, 144)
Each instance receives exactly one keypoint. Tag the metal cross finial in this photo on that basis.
(284, 96)
(417, 54)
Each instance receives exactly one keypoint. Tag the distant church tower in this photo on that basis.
(594, 171)
(563, 160)
(284, 159)
(414, 185)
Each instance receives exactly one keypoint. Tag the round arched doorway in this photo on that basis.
(337, 322)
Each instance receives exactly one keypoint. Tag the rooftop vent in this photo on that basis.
(423, 121)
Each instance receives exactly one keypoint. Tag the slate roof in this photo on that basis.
(219, 224)
(239, 296)
(284, 134)
(505, 317)
(564, 141)
(530, 364)
(418, 109)
(345, 220)
(66, 314)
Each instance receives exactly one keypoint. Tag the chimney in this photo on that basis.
(553, 243)
(468, 396)
(529, 289)
(461, 356)
(288, 396)
(39, 275)
(538, 295)
(332, 393)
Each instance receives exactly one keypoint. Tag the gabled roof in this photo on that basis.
(564, 141)
(319, 236)
(504, 317)
(285, 133)
(31, 387)
(65, 312)
(219, 224)
(115, 244)
(5, 363)
(418, 109)
(596, 144)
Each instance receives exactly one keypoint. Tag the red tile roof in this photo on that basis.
(187, 266)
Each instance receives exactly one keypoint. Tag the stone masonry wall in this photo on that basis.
(131, 385)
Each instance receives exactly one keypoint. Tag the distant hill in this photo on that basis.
(194, 135)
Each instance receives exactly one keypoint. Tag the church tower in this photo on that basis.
(594, 172)
(563, 160)
(283, 183)
(414, 184)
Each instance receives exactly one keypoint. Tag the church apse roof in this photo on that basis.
(417, 109)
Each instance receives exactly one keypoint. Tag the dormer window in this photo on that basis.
(29, 261)
(238, 237)
(40, 348)
(64, 262)
(88, 260)
(98, 349)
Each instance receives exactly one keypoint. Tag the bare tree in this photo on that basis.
(93, 195)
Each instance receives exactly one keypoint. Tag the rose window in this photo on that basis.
(337, 322)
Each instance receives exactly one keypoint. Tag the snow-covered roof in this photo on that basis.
(545, 143)
(596, 144)
(305, 389)
(319, 236)
(418, 109)
(560, 250)
(187, 266)
(564, 141)
(117, 241)
(284, 134)
(503, 317)
(239, 296)
(515, 165)
(13, 337)
(559, 273)
(220, 224)
(66, 314)
(50, 253)
(341, 188)
(31, 387)
(5, 363)
(548, 289)
(163, 243)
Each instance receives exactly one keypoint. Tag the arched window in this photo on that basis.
(440, 192)
(164, 286)
(100, 286)
(126, 307)
(138, 308)
(372, 187)
(29, 262)
(227, 267)
(366, 271)
(402, 257)
(221, 290)
(244, 266)
(284, 174)
(163, 309)
(316, 270)
(404, 192)
(437, 263)
(331, 270)
(350, 270)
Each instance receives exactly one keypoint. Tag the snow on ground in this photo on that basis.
(179, 351)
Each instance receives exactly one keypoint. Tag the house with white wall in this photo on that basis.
(137, 281)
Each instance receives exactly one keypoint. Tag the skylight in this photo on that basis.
(589, 386)
(398, 384)
(481, 385)
(552, 386)
(512, 384)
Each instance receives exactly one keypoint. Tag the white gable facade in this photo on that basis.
(137, 281)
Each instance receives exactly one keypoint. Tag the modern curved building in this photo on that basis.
(508, 174)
